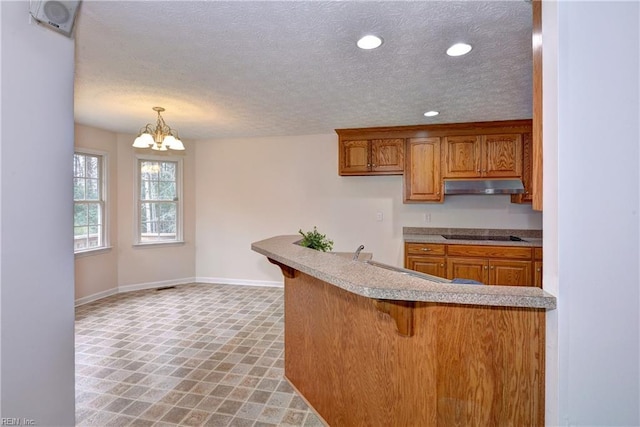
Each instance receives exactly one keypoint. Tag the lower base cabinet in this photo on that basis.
(491, 265)
(468, 268)
(436, 266)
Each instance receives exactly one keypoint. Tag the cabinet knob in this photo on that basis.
(425, 249)
(374, 165)
(486, 268)
(538, 270)
(441, 265)
(368, 165)
(492, 267)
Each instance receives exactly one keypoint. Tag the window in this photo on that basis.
(89, 202)
(159, 209)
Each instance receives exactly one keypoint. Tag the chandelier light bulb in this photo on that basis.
(159, 138)
(143, 141)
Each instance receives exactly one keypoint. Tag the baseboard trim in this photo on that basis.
(175, 282)
(96, 297)
(240, 282)
(155, 285)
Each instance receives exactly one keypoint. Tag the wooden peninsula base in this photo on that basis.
(360, 361)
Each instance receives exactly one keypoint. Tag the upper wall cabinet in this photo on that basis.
(384, 156)
(422, 181)
(431, 153)
(482, 156)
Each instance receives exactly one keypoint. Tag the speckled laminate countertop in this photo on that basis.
(373, 282)
(531, 238)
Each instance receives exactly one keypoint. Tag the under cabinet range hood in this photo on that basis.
(483, 186)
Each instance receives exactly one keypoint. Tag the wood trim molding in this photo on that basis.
(425, 131)
(536, 170)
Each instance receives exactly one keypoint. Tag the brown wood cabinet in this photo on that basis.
(468, 268)
(537, 267)
(490, 271)
(491, 265)
(482, 156)
(422, 170)
(537, 274)
(371, 156)
(527, 167)
(426, 258)
(510, 273)
(426, 154)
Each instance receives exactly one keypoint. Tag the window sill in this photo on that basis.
(159, 244)
(91, 252)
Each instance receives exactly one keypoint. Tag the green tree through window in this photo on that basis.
(158, 201)
(88, 215)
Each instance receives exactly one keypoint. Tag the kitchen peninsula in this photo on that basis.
(371, 346)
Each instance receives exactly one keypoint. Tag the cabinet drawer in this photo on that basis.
(490, 251)
(424, 249)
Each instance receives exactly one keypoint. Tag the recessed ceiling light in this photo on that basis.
(431, 113)
(369, 42)
(459, 49)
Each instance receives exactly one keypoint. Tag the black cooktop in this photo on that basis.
(492, 238)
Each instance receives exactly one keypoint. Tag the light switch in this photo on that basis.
(379, 216)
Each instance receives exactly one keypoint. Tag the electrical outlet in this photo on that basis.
(379, 216)
(427, 217)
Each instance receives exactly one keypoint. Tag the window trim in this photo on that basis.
(136, 200)
(104, 201)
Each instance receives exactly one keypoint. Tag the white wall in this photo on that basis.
(96, 273)
(125, 266)
(36, 276)
(596, 252)
(154, 265)
(253, 188)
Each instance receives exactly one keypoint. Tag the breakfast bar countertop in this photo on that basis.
(374, 282)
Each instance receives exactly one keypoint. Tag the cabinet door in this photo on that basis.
(427, 264)
(537, 274)
(354, 157)
(527, 165)
(510, 273)
(468, 268)
(422, 181)
(387, 155)
(461, 157)
(502, 156)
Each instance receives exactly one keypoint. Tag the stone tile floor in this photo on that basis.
(193, 355)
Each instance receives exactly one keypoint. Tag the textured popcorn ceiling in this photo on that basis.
(231, 69)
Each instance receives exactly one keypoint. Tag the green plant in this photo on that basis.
(316, 240)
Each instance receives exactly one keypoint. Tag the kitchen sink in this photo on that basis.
(408, 272)
(475, 237)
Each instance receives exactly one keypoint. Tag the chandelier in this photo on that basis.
(159, 138)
